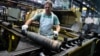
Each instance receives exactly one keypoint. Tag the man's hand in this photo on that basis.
(55, 35)
(24, 29)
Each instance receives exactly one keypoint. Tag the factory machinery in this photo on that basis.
(72, 41)
(16, 42)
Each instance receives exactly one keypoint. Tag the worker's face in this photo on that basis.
(48, 8)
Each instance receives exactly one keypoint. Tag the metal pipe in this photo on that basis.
(44, 41)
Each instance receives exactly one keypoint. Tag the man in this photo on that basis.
(47, 20)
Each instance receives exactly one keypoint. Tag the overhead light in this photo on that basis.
(84, 8)
(87, 5)
(84, 3)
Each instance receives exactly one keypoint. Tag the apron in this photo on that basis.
(46, 24)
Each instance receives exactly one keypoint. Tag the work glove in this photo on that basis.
(55, 35)
(24, 29)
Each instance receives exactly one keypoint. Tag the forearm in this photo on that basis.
(57, 28)
(28, 22)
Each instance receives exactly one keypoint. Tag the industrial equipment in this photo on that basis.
(35, 42)
(71, 40)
